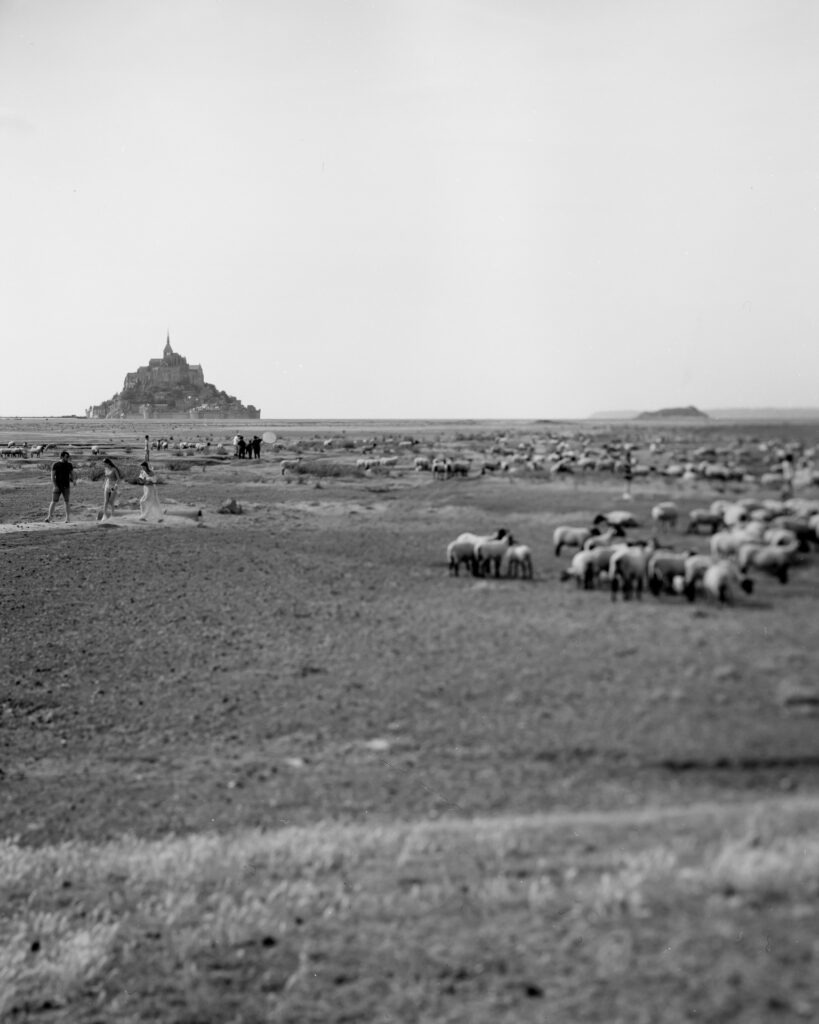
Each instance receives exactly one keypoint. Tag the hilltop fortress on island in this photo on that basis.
(171, 387)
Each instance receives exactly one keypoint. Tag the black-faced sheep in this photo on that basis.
(616, 518)
(517, 561)
(767, 558)
(572, 536)
(463, 551)
(665, 515)
(490, 551)
(699, 518)
(722, 578)
(627, 569)
(662, 568)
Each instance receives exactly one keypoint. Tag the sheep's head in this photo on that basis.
(747, 585)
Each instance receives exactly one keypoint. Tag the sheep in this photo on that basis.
(627, 568)
(720, 579)
(286, 464)
(665, 514)
(728, 542)
(803, 531)
(616, 518)
(699, 517)
(441, 467)
(517, 561)
(463, 550)
(388, 460)
(460, 467)
(422, 463)
(662, 568)
(572, 536)
(581, 568)
(695, 568)
(490, 551)
(603, 540)
(767, 558)
(779, 536)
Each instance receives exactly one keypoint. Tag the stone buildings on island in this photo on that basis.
(168, 388)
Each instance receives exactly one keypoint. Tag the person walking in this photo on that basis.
(149, 502)
(109, 494)
(62, 477)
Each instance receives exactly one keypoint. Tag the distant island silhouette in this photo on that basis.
(750, 414)
(168, 387)
(675, 412)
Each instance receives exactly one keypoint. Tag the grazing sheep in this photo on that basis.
(422, 463)
(572, 536)
(616, 518)
(703, 517)
(665, 515)
(767, 558)
(627, 569)
(460, 467)
(489, 553)
(603, 540)
(287, 464)
(735, 515)
(581, 569)
(780, 536)
(662, 568)
(721, 579)
(462, 550)
(441, 468)
(728, 542)
(517, 561)
(695, 567)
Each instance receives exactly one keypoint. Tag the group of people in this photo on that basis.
(62, 478)
(251, 449)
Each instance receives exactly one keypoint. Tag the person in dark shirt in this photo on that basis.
(62, 477)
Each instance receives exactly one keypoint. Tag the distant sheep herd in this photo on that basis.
(747, 537)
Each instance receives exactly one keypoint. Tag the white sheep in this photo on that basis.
(517, 561)
(720, 580)
(767, 558)
(699, 517)
(665, 514)
(287, 464)
(603, 540)
(489, 553)
(616, 518)
(662, 568)
(463, 551)
(627, 568)
(572, 536)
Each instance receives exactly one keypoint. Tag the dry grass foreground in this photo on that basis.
(706, 913)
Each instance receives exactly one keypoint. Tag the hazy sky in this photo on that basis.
(412, 208)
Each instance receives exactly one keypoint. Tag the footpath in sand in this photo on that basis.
(173, 517)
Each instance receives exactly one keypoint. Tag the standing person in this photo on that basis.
(149, 502)
(257, 446)
(62, 477)
(109, 494)
(787, 476)
(627, 474)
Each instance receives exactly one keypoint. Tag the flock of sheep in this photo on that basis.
(747, 536)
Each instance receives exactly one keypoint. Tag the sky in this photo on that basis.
(350, 209)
